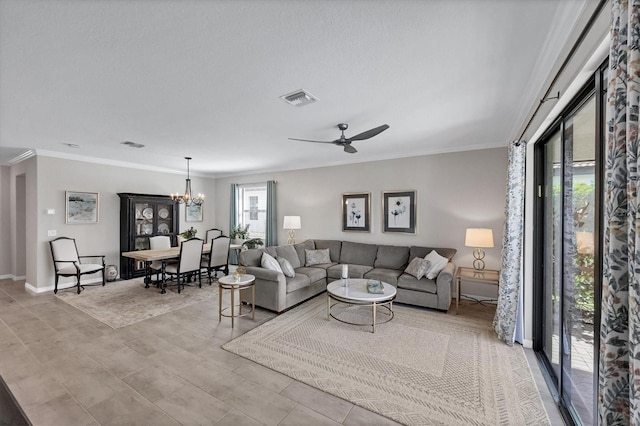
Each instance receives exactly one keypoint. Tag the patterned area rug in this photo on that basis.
(122, 303)
(421, 368)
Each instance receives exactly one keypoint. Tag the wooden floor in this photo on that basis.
(64, 367)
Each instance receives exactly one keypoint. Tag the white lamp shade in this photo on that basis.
(291, 222)
(479, 237)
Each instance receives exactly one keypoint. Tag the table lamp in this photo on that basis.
(291, 223)
(478, 238)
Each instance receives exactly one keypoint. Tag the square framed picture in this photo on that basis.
(193, 213)
(399, 211)
(356, 211)
(81, 207)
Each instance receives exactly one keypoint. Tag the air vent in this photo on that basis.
(299, 98)
(132, 144)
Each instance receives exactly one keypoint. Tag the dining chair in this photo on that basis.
(188, 263)
(68, 263)
(218, 259)
(160, 242)
(212, 233)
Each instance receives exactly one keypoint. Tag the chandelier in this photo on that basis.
(188, 198)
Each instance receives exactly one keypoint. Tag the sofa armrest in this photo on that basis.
(443, 284)
(262, 273)
(270, 288)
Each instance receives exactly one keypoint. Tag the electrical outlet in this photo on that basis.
(51, 233)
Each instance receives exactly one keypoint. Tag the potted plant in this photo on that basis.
(253, 243)
(187, 235)
(239, 233)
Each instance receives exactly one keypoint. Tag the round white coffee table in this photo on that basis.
(228, 282)
(355, 293)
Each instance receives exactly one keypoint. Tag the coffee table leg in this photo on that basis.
(233, 302)
(328, 306)
(219, 303)
(374, 317)
(253, 302)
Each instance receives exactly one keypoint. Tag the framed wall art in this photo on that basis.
(81, 207)
(356, 211)
(193, 213)
(399, 211)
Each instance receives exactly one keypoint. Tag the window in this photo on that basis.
(251, 208)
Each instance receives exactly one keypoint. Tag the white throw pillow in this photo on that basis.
(417, 267)
(268, 262)
(437, 264)
(287, 268)
(317, 257)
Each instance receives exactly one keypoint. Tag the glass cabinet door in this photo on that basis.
(165, 219)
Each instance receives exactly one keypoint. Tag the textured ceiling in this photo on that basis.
(203, 78)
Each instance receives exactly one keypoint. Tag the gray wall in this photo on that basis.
(455, 191)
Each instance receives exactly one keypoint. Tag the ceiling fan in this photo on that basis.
(346, 142)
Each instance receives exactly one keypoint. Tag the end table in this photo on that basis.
(485, 276)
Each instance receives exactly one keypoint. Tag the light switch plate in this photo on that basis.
(51, 211)
(51, 233)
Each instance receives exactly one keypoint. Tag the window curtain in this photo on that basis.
(233, 219)
(619, 369)
(271, 235)
(508, 316)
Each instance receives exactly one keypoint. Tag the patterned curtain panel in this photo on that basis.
(619, 375)
(272, 219)
(506, 316)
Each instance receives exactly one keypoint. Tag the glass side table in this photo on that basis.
(484, 276)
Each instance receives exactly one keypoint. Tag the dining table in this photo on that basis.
(148, 256)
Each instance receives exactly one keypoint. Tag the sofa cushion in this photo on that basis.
(251, 257)
(316, 257)
(334, 247)
(417, 251)
(392, 257)
(313, 273)
(289, 253)
(269, 262)
(408, 282)
(437, 264)
(305, 245)
(418, 267)
(297, 282)
(358, 254)
(355, 271)
(286, 267)
(389, 276)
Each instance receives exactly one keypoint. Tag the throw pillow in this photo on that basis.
(437, 264)
(417, 267)
(287, 268)
(316, 257)
(269, 262)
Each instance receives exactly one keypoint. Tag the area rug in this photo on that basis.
(421, 368)
(122, 303)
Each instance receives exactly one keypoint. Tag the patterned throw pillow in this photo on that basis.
(417, 267)
(269, 262)
(316, 257)
(287, 268)
(437, 264)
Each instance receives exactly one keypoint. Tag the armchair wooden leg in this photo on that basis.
(78, 278)
(55, 290)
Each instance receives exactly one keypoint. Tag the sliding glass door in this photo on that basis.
(567, 273)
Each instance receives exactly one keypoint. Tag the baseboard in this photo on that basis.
(61, 286)
(12, 277)
(527, 343)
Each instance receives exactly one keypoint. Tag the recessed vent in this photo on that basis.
(299, 98)
(132, 144)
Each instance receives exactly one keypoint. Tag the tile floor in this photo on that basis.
(66, 368)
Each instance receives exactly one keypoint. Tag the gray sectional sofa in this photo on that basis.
(277, 292)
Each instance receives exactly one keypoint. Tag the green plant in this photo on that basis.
(240, 231)
(189, 233)
(253, 243)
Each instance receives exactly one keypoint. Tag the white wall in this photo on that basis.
(59, 175)
(455, 191)
(5, 228)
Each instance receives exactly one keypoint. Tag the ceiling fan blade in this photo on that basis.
(307, 140)
(369, 133)
(348, 148)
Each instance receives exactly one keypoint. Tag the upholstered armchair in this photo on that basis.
(68, 263)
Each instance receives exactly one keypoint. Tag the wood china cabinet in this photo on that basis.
(143, 216)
